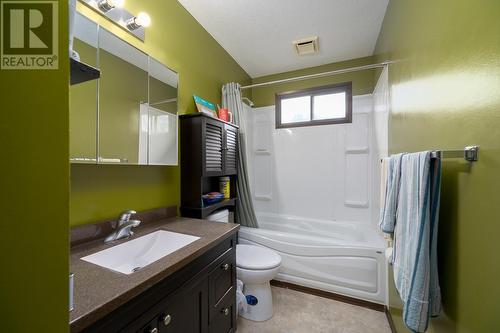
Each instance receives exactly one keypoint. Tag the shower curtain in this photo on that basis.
(245, 212)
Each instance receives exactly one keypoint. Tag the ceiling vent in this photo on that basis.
(306, 46)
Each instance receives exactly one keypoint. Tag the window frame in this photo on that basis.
(345, 87)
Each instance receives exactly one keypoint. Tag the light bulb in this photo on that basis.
(143, 19)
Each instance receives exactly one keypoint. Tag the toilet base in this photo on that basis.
(263, 310)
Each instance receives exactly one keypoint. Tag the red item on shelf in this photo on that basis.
(224, 114)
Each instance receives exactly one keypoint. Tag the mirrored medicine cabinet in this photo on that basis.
(128, 115)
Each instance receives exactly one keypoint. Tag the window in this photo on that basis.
(324, 105)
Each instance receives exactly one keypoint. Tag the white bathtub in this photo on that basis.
(339, 257)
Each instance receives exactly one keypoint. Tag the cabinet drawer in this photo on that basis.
(150, 327)
(222, 278)
(223, 315)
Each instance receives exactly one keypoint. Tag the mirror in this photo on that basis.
(134, 106)
(83, 96)
(162, 109)
(123, 87)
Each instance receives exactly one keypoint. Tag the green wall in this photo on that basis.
(362, 82)
(35, 195)
(445, 93)
(177, 40)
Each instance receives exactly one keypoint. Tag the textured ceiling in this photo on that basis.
(259, 33)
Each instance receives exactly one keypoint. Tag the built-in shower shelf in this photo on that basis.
(203, 212)
(262, 197)
(356, 204)
(357, 150)
(81, 72)
(262, 152)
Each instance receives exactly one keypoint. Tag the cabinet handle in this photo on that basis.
(167, 319)
(225, 311)
(225, 267)
(153, 330)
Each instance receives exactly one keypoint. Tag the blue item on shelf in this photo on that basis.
(212, 197)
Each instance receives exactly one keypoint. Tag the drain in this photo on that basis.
(136, 269)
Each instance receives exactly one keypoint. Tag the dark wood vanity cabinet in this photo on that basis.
(181, 312)
(200, 298)
(209, 150)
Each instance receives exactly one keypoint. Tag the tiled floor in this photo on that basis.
(297, 312)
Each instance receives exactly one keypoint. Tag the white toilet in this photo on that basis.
(256, 266)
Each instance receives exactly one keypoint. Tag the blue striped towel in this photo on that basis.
(388, 210)
(415, 239)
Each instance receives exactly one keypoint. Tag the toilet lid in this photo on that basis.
(256, 257)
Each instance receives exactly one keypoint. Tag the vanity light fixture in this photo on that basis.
(114, 11)
(106, 5)
(141, 20)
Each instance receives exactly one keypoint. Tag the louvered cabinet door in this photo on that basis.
(214, 144)
(230, 150)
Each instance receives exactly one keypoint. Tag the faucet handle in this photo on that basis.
(125, 216)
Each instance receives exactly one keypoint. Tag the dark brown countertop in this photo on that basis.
(98, 291)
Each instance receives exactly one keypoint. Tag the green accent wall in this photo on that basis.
(362, 82)
(445, 93)
(35, 195)
(177, 40)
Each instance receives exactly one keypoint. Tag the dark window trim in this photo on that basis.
(316, 91)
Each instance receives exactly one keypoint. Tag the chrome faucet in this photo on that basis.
(123, 227)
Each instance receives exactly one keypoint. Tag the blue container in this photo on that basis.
(212, 199)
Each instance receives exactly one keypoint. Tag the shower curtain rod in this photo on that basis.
(317, 75)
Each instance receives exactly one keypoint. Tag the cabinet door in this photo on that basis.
(230, 150)
(186, 312)
(213, 148)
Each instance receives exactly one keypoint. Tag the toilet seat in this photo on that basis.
(252, 257)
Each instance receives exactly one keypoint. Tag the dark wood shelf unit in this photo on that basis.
(209, 150)
(203, 212)
(81, 72)
(198, 114)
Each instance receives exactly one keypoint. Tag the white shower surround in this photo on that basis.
(314, 190)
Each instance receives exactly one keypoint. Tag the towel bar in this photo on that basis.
(469, 153)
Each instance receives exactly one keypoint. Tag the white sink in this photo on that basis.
(135, 254)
